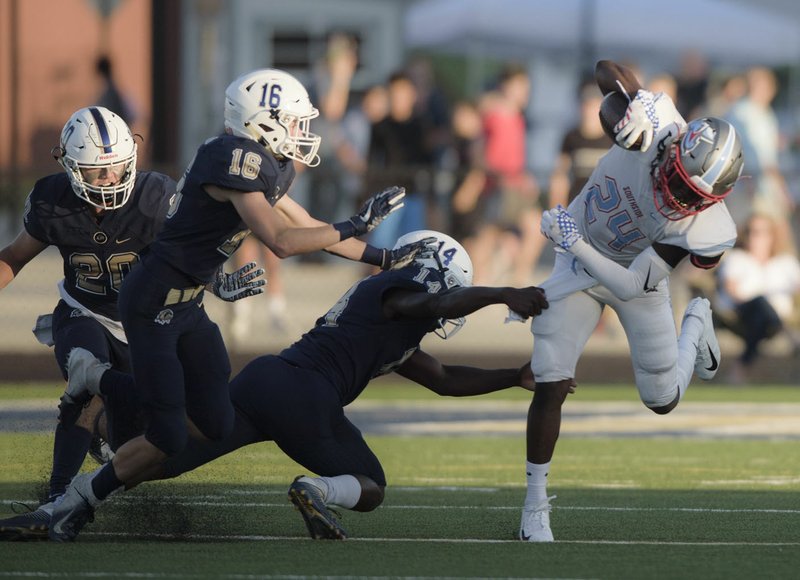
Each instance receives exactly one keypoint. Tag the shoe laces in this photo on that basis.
(544, 506)
(20, 507)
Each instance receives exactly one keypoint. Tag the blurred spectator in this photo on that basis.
(431, 106)
(399, 155)
(731, 88)
(581, 149)
(468, 202)
(765, 190)
(758, 288)
(356, 127)
(510, 232)
(692, 84)
(327, 198)
(664, 83)
(110, 96)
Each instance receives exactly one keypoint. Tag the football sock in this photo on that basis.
(341, 490)
(537, 482)
(112, 381)
(105, 481)
(69, 450)
(687, 351)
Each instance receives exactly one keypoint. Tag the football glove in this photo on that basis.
(560, 227)
(377, 208)
(244, 282)
(640, 119)
(404, 255)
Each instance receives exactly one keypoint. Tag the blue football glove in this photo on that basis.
(244, 282)
(401, 257)
(560, 227)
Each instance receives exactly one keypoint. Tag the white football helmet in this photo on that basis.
(450, 258)
(96, 142)
(700, 168)
(272, 107)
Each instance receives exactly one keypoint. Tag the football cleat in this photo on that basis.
(84, 371)
(100, 450)
(307, 499)
(28, 527)
(74, 511)
(708, 353)
(535, 525)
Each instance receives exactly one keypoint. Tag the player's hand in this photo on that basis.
(526, 302)
(560, 228)
(640, 120)
(244, 282)
(525, 377)
(377, 208)
(404, 255)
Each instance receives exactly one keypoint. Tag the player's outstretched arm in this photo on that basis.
(14, 256)
(461, 381)
(464, 381)
(459, 302)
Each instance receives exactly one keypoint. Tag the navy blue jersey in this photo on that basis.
(98, 251)
(201, 233)
(355, 342)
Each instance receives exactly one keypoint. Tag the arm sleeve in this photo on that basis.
(644, 273)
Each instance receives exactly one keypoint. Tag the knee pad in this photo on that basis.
(169, 436)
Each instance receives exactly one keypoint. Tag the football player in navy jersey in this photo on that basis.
(100, 214)
(235, 185)
(297, 398)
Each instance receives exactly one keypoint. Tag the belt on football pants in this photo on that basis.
(179, 295)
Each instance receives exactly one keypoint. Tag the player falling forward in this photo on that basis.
(640, 214)
(297, 398)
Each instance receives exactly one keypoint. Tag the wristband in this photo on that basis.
(373, 256)
(346, 229)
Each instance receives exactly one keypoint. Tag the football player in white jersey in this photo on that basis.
(653, 200)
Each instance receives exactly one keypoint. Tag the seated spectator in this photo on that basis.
(758, 287)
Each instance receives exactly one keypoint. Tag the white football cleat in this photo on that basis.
(84, 371)
(709, 356)
(535, 525)
(74, 511)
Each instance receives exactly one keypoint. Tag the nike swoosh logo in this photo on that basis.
(123, 241)
(647, 287)
(714, 363)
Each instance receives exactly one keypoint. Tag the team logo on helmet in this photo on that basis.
(699, 133)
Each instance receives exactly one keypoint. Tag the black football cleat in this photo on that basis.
(29, 527)
(319, 520)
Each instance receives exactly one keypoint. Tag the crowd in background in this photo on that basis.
(466, 170)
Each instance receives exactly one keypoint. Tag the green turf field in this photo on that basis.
(627, 507)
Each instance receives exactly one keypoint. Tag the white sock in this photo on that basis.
(537, 482)
(341, 490)
(687, 351)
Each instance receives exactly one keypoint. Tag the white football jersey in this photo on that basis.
(616, 211)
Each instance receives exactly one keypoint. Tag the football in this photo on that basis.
(612, 109)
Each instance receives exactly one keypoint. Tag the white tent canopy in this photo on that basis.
(734, 33)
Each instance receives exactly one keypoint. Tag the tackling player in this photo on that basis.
(101, 214)
(297, 398)
(235, 185)
(640, 214)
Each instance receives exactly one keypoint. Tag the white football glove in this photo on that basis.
(560, 227)
(640, 119)
(240, 284)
